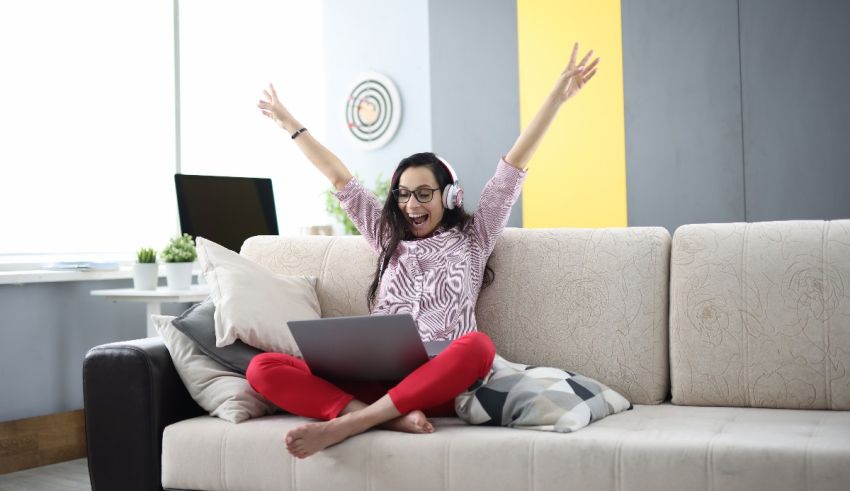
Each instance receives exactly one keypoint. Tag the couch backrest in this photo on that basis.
(760, 314)
(589, 300)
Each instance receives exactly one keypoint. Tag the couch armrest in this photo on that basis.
(131, 393)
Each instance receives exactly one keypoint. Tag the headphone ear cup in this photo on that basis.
(452, 196)
(449, 197)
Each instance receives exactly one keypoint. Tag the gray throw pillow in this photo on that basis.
(198, 323)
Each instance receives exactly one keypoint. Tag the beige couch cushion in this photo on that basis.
(592, 301)
(760, 314)
(648, 448)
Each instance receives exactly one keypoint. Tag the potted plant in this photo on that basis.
(179, 255)
(145, 270)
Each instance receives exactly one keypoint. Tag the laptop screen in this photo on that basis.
(226, 210)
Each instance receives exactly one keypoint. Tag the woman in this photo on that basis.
(432, 259)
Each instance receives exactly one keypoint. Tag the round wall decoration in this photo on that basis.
(373, 110)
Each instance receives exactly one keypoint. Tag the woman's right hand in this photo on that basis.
(271, 107)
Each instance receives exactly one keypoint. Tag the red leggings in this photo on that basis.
(287, 381)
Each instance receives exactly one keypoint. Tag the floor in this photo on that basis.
(72, 476)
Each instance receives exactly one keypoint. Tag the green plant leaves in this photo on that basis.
(180, 249)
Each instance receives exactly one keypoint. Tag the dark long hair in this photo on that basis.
(394, 228)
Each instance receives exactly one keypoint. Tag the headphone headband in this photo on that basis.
(446, 166)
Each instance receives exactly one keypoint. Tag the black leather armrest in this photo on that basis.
(131, 393)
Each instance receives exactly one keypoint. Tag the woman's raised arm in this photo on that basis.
(571, 80)
(324, 160)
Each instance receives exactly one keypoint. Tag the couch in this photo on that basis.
(731, 340)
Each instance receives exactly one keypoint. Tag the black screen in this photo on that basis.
(225, 210)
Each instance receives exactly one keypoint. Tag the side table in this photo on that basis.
(154, 298)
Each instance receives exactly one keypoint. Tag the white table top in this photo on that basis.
(195, 294)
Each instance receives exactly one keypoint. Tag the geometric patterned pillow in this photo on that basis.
(537, 398)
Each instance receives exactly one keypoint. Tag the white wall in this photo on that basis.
(391, 38)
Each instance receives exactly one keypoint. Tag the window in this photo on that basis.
(89, 118)
(230, 52)
(87, 126)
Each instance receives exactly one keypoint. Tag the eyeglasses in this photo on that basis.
(423, 195)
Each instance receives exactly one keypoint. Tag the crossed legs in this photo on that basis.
(288, 382)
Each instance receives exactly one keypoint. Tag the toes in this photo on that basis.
(301, 453)
(296, 450)
(294, 446)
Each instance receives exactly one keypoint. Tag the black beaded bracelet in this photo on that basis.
(302, 130)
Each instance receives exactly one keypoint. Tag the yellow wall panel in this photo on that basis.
(577, 178)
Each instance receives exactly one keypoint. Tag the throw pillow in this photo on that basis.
(215, 388)
(198, 323)
(252, 303)
(537, 398)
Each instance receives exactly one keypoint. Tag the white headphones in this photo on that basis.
(453, 193)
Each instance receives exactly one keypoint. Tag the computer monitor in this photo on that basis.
(226, 210)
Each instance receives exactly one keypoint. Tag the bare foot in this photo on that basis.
(412, 422)
(310, 438)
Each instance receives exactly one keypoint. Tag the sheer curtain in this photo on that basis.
(230, 52)
(87, 125)
(88, 116)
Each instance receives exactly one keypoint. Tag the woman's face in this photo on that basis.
(423, 218)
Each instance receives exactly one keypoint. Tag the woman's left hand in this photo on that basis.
(574, 77)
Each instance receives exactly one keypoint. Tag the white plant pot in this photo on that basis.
(178, 275)
(145, 276)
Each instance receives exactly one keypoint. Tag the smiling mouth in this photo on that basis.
(418, 220)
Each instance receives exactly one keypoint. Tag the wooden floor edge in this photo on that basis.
(42, 440)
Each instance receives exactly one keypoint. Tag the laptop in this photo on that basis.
(369, 348)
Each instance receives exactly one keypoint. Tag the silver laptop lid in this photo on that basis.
(363, 348)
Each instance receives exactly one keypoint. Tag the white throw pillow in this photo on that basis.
(252, 303)
(217, 389)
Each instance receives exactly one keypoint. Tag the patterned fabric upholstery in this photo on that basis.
(593, 301)
(589, 300)
(760, 314)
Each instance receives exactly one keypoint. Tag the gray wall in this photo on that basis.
(474, 89)
(795, 69)
(47, 328)
(736, 110)
(454, 64)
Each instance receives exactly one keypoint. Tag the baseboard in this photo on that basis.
(43, 440)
